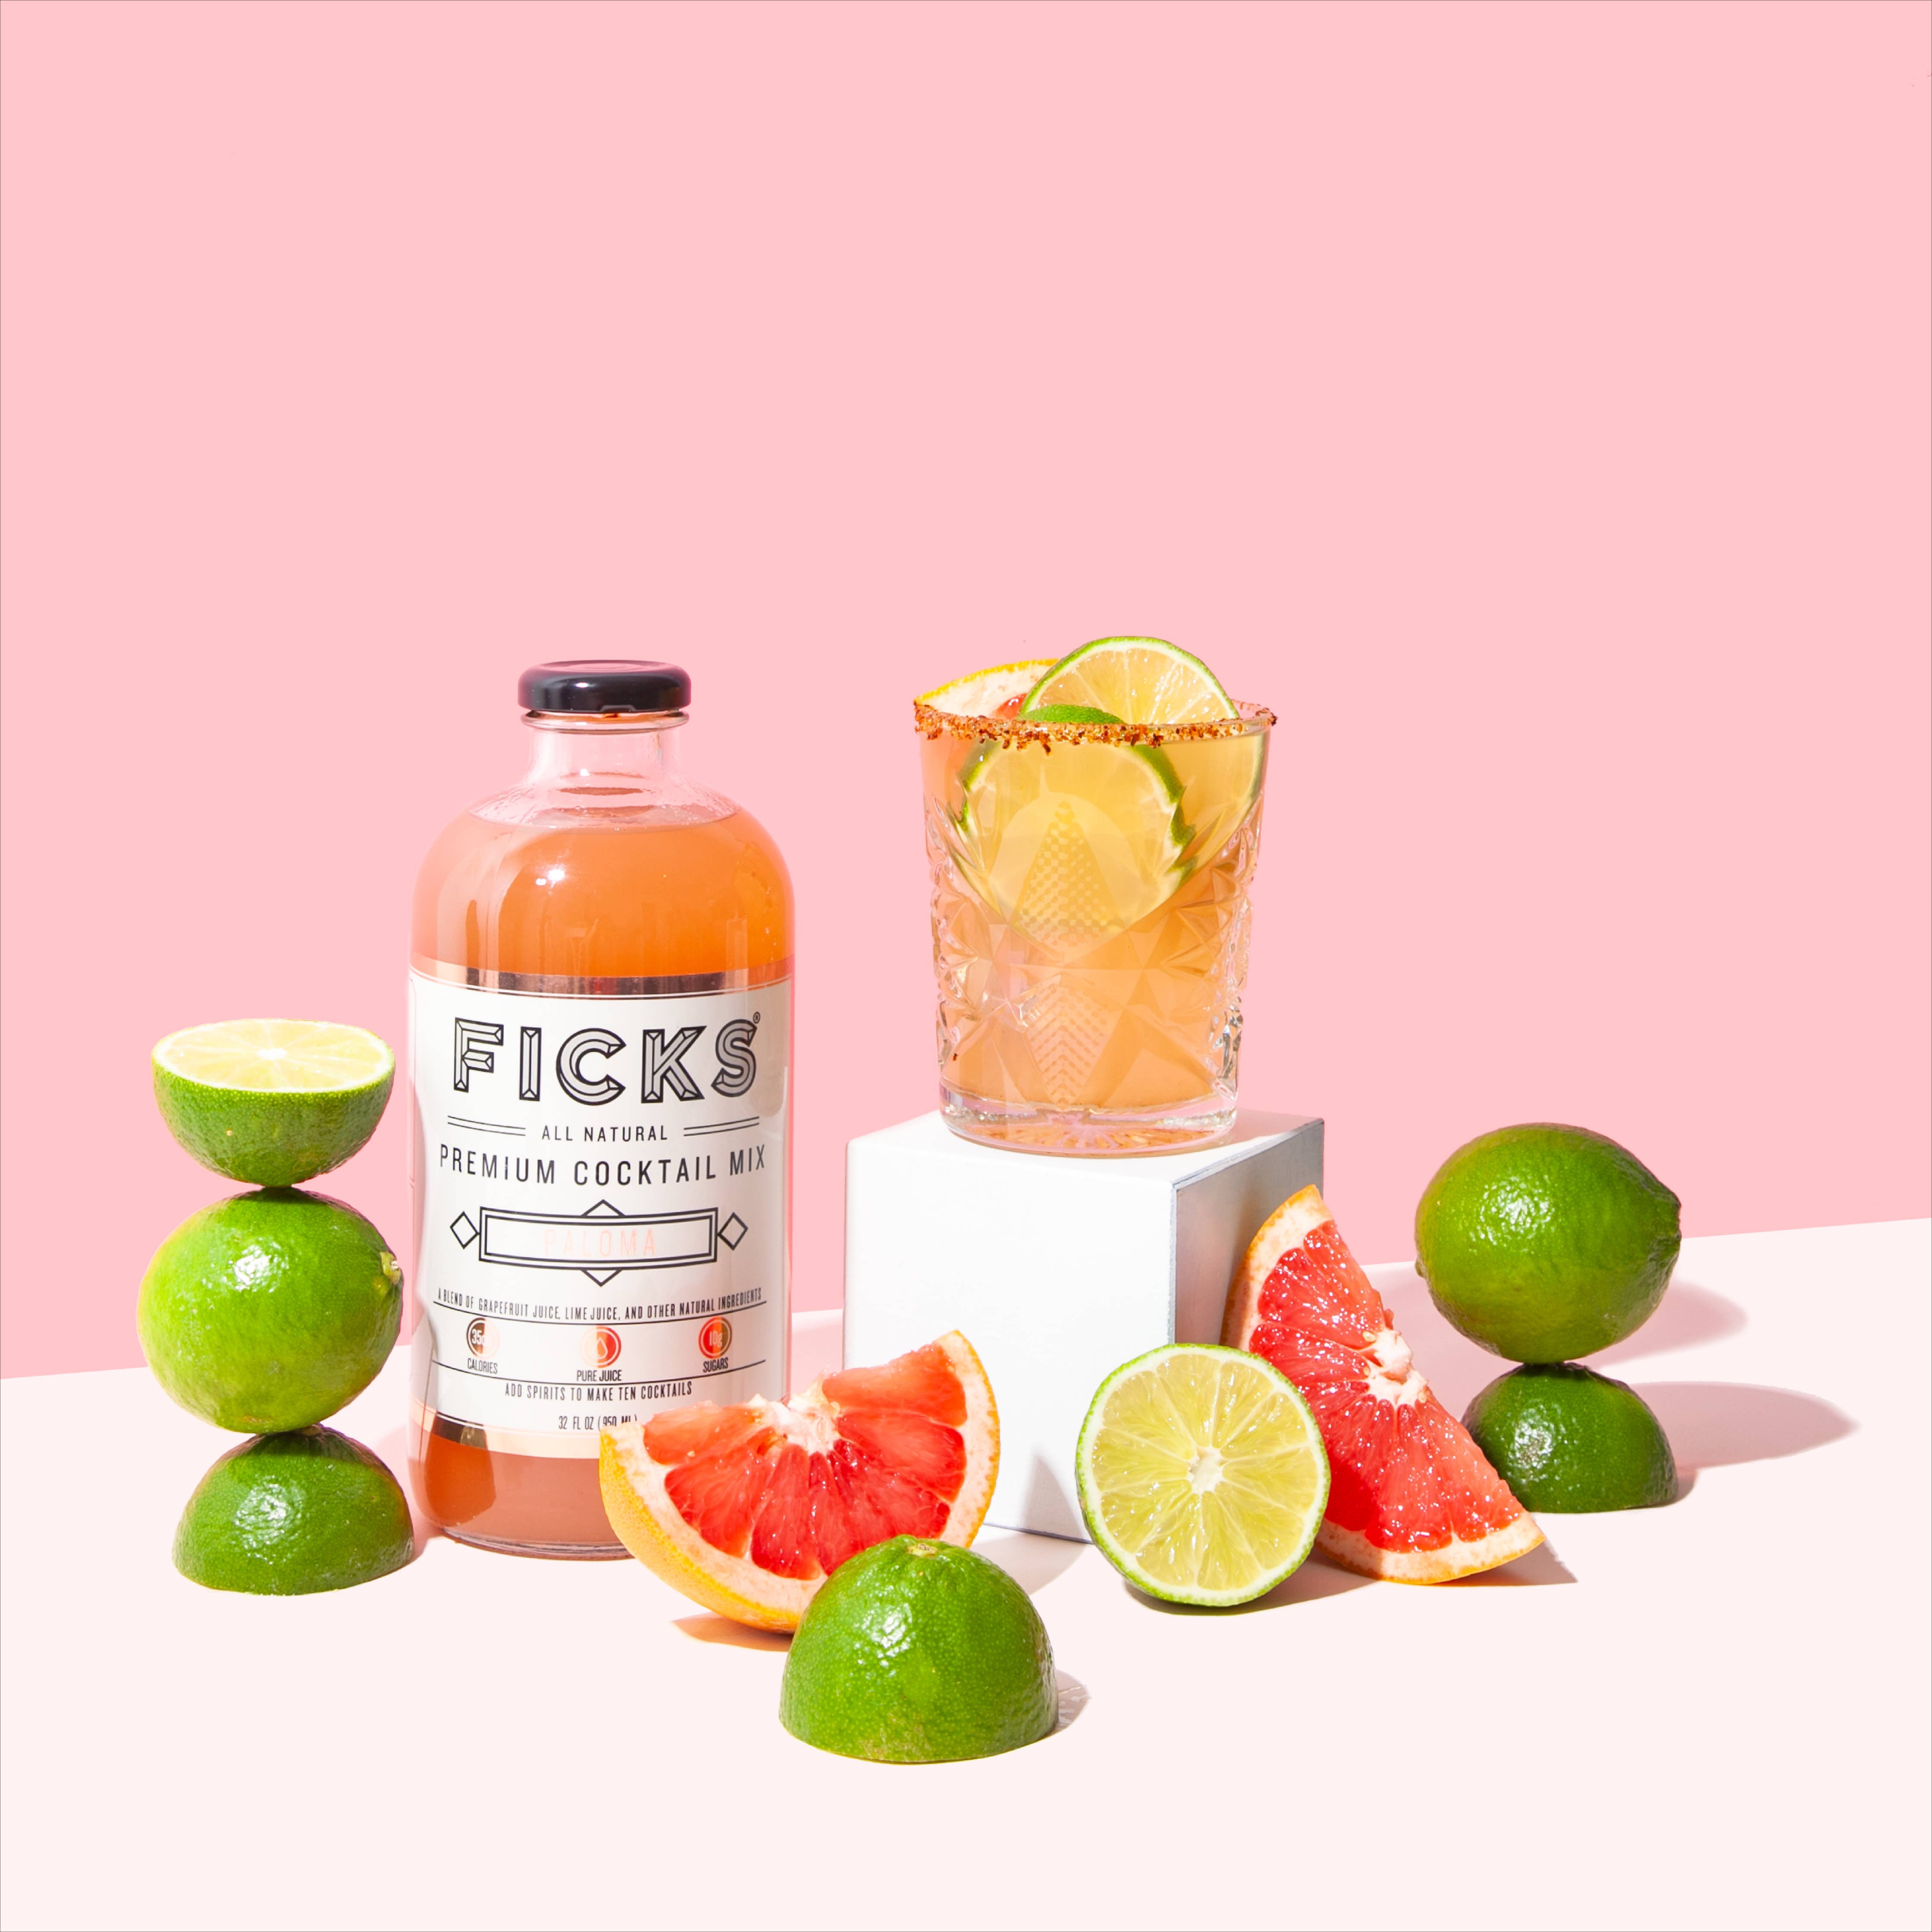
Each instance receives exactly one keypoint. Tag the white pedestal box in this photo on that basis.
(1056, 1270)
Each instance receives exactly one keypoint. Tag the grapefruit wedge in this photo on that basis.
(1411, 1497)
(747, 1510)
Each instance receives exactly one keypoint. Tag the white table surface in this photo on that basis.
(1714, 1715)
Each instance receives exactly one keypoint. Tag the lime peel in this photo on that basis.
(920, 1652)
(267, 1312)
(1569, 1441)
(289, 1515)
(1543, 1242)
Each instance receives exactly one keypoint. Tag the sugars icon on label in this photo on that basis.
(714, 1338)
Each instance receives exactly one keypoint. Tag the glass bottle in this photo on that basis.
(601, 967)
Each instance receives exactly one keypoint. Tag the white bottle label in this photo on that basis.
(600, 1194)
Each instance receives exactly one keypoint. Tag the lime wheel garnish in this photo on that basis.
(1137, 680)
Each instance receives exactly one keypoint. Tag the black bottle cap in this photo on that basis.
(589, 685)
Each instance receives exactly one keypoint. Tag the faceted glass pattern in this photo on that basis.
(1090, 926)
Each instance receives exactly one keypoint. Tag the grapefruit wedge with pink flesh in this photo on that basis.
(747, 1510)
(1411, 1497)
(998, 692)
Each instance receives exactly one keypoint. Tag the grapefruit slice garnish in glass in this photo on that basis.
(747, 1510)
(1411, 1497)
(985, 694)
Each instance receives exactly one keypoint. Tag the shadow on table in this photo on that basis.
(1032, 1562)
(709, 1629)
(1457, 1367)
(1540, 1565)
(1687, 1316)
(1712, 1423)
(1315, 1579)
(1072, 1699)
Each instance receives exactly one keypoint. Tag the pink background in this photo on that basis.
(1531, 402)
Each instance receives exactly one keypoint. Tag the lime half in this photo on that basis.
(284, 1516)
(272, 1102)
(1140, 680)
(1201, 1474)
(1566, 1439)
(918, 1652)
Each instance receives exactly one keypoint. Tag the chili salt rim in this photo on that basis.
(934, 723)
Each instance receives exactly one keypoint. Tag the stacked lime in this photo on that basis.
(268, 1311)
(1540, 1243)
(1543, 1242)
(1568, 1440)
(287, 1515)
(272, 1102)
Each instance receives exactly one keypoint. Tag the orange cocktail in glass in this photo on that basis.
(1090, 875)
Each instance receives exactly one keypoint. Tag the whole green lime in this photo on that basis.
(272, 1102)
(1544, 1242)
(268, 1311)
(916, 1652)
(285, 1515)
(1567, 1440)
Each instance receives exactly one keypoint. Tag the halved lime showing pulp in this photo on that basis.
(1202, 1473)
(272, 1102)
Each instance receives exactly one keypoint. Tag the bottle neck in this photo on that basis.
(610, 756)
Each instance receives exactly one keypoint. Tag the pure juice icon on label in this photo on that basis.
(600, 1054)
(600, 1347)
